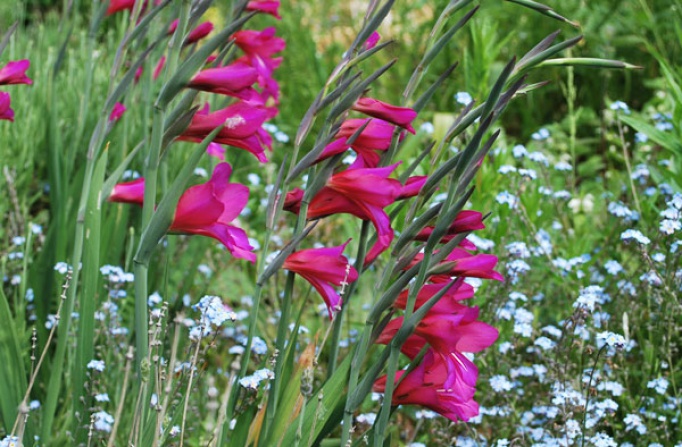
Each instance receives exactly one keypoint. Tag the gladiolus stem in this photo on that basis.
(151, 169)
(382, 418)
(338, 318)
(246, 357)
(279, 346)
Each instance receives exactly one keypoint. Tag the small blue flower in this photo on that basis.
(507, 198)
(97, 365)
(541, 134)
(519, 151)
(102, 421)
(427, 128)
(637, 235)
(659, 385)
(620, 106)
(563, 166)
(463, 98)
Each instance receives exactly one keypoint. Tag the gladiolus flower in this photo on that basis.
(265, 6)
(412, 186)
(15, 73)
(128, 192)
(444, 384)
(6, 112)
(261, 43)
(242, 127)
(323, 268)
(376, 136)
(199, 32)
(364, 193)
(259, 48)
(206, 209)
(216, 150)
(233, 80)
(465, 221)
(400, 116)
(446, 331)
(138, 74)
(458, 292)
(159, 67)
(117, 112)
(462, 263)
(119, 5)
(372, 40)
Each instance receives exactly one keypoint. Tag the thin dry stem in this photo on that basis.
(22, 417)
(189, 389)
(121, 402)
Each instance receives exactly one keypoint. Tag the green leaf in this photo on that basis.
(6, 37)
(85, 349)
(666, 140)
(587, 62)
(545, 10)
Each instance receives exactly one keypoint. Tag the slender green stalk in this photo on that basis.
(282, 330)
(338, 320)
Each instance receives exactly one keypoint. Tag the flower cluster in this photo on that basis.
(210, 208)
(445, 379)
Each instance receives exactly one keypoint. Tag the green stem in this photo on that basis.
(246, 357)
(338, 320)
(282, 330)
(141, 269)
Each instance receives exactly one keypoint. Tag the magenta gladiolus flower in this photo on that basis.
(364, 193)
(465, 221)
(216, 150)
(372, 40)
(457, 330)
(15, 73)
(412, 186)
(199, 32)
(242, 127)
(119, 5)
(462, 263)
(117, 112)
(265, 6)
(459, 292)
(233, 80)
(138, 74)
(261, 43)
(128, 192)
(323, 268)
(400, 116)
(444, 384)
(159, 67)
(207, 209)
(376, 136)
(6, 112)
(259, 48)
